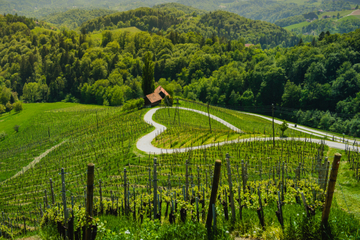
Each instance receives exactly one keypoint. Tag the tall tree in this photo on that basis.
(148, 83)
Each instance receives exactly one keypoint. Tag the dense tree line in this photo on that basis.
(218, 23)
(146, 19)
(75, 17)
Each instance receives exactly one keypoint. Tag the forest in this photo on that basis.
(219, 23)
(41, 65)
(73, 18)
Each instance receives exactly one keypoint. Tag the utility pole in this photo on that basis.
(273, 126)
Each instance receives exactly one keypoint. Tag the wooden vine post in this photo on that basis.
(63, 191)
(155, 190)
(330, 189)
(214, 190)
(232, 204)
(125, 193)
(52, 192)
(209, 116)
(101, 199)
(187, 181)
(89, 200)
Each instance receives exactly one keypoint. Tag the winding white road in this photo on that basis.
(307, 130)
(144, 143)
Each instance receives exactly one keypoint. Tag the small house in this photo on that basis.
(154, 99)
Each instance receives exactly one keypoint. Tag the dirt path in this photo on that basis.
(34, 162)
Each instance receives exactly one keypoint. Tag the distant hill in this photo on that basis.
(146, 19)
(40, 8)
(218, 23)
(75, 17)
(180, 7)
(266, 10)
(322, 21)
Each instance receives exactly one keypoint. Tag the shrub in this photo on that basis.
(18, 106)
(8, 107)
(70, 98)
(3, 135)
(16, 128)
(167, 101)
(2, 109)
(134, 104)
(283, 127)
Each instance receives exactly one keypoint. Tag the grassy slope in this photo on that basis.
(347, 189)
(21, 148)
(193, 131)
(100, 142)
(349, 17)
(342, 14)
(298, 25)
(25, 118)
(245, 122)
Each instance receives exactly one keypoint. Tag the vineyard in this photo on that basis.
(266, 189)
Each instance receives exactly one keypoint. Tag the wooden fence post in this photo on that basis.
(214, 189)
(89, 200)
(331, 188)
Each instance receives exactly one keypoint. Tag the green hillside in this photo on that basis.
(180, 7)
(266, 10)
(75, 17)
(219, 23)
(315, 23)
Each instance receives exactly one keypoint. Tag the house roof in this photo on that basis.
(161, 89)
(154, 97)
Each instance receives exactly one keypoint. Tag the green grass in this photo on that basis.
(347, 189)
(342, 13)
(245, 122)
(298, 25)
(38, 30)
(193, 130)
(37, 121)
(26, 117)
(349, 18)
(187, 118)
